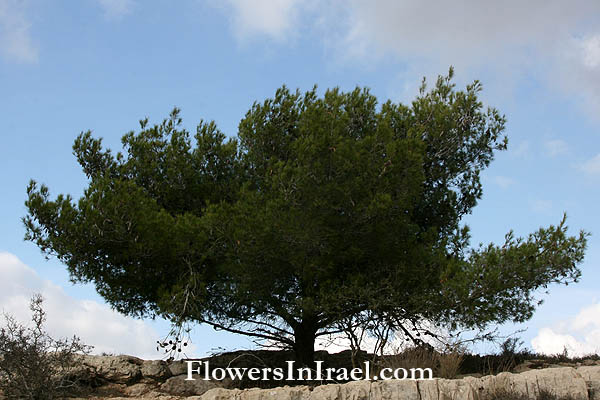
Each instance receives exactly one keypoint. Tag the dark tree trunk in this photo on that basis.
(304, 344)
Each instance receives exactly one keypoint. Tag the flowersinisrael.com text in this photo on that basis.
(202, 370)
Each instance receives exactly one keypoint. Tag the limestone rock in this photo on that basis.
(559, 381)
(156, 370)
(139, 390)
(117, 369)
(178, 367)
(283, 393)
(124, 377)
(218, 394)
(326, 392)
(591, 374)
(178, 386)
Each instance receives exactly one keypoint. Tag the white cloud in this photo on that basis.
(592, 166)
(556, 147)
(96, 324)
(395, 342)
(469, 28)
(508, 38)
(116, 8)
(522, 149)
(550, 40)
(590, 48)
(273, 18)
(503, 181)
(576, 70)
(580, 335)
(15, 40)
(541, 206)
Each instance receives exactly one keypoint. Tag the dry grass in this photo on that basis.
(449, 363)
(510, 395)
(444, 365)
(414, 357)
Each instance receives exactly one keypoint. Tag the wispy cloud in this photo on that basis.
(503, 181)
(579, 335)
(541, 206)
(521, 150)
(556, 147)
(16, 44)
(115, 9)
(592, 166)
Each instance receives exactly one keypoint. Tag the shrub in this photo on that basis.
(33, 365)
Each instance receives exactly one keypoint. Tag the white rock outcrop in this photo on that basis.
(566, 381)
(126, 377)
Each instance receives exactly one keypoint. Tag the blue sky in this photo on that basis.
(70, 66)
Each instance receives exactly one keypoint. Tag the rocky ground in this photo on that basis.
(129, 377)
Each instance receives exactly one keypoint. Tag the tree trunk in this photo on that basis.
(304, 344)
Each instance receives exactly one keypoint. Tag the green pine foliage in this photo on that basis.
(321, 209)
